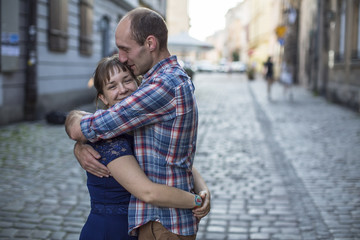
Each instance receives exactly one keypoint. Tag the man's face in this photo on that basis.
(137, 57)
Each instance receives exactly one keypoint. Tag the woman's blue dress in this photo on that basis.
(108, 218)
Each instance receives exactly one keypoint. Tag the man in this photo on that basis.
(163, 115)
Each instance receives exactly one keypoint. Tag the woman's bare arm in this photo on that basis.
(128, 173)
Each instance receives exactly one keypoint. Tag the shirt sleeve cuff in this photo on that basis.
(85, 126)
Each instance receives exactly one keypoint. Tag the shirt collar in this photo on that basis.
(172, 60)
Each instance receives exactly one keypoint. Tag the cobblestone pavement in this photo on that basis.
(277, 169)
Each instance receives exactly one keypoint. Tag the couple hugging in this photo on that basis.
(138, 152)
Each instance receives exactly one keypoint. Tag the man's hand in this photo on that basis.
(72, 125)
(205, 207)
(87, 157)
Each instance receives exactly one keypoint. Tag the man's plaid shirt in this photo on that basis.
(163, 115)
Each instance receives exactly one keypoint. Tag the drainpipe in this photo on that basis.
(327, 19)
(320, 48)
(31, 61)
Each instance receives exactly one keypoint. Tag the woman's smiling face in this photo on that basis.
(120, 85)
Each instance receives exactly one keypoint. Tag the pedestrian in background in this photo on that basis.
(108, 218)
(287, 80)
(164, 117)
(269, 75)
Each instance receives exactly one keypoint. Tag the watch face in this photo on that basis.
(198, 200)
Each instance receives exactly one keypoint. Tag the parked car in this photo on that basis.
(205, 66)
(238, 67)
(224, 68)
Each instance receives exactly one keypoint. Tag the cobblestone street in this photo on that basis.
(279, 169)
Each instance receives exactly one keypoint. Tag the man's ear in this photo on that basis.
(151, 42)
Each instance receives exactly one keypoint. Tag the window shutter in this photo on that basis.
(355, 38)
(58, 25)
(340, 31)
(86, 27)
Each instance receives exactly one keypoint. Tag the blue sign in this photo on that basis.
(281, 41)
(14, 38)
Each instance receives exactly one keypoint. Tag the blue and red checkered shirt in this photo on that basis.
(163, 115)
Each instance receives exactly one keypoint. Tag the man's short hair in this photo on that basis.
(145, 22)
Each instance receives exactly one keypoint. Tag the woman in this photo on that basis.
(109, 199)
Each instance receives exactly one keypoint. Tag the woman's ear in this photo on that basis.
(103, 99)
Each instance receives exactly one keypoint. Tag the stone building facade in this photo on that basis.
(50, 49)
(329, 40)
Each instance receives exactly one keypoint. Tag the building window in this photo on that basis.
(356, 31)
(58, 25)
(105, 36)
(341, 31)
(86, 26)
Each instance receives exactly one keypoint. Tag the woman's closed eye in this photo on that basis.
(129, 81)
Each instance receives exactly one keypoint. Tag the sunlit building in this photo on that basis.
(177, 16)
(263, 20)
(237, 20)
